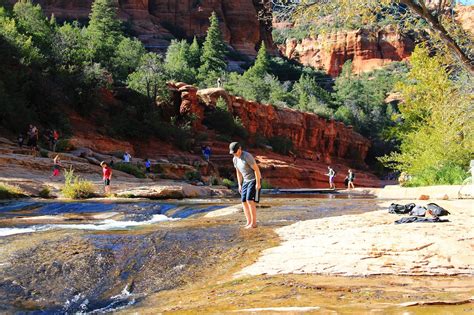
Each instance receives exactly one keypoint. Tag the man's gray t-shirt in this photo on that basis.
(243, 164)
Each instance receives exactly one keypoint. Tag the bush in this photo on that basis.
(130, 168)
(228, 183)
(76, 187)
(8, 192)
(44, 153)
(64, 145)
(45, 193)
(281, 145)
(449, 174)
(193, 175)
(266, 185)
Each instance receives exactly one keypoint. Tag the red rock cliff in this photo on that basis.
(313, 137)
(156, 21)
(368, 50)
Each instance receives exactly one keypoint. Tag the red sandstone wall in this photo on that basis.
(313, 137)
(368, 50)
(156, 21)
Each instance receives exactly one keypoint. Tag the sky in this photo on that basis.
(469, 2)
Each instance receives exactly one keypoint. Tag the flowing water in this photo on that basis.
(102, 256)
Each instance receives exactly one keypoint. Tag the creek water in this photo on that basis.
(103, 256)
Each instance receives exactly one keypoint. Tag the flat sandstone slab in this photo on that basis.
(371, 244)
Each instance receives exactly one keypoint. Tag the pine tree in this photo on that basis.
(213, 52)
(103, 32)
(194, 54)
(261, 66)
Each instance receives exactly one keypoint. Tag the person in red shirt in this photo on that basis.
(106, 176)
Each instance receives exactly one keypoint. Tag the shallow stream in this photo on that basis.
(100, 256)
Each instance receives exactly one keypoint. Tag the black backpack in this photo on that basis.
(436, 210)
(400, 209)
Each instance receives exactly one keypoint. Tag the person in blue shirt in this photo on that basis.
(148, 165)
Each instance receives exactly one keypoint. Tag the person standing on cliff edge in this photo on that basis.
(249, 179)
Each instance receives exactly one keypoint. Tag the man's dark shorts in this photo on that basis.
(249, 191)
(106, 182)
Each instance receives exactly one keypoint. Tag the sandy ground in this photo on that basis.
(371, 244)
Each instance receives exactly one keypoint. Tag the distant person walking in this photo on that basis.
(20, 140)
(219, 82)
(248, 177)
(331, 173)
(106, 176)
(127, 157)
(33, 136)
(148, 165)
(350, 179)
(207, 153)
(55, 139)
(56, 167)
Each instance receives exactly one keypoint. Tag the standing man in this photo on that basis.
(249, 178)
(331, 173)
(127, 157)
(106, 176)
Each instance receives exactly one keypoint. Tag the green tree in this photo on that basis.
(194, 54)
(177, 62)
(149, 79)
(437, 121)
(69, 47)
(127, 57)
(32, 22)
(103, 32)
(214, 50)
(27, 52)
(261, 66)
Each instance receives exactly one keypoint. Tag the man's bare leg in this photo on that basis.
(253, 214)
(247, 213)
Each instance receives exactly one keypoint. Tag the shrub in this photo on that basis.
(76, 187)
(45, 193)
(193, 175)
(44, 153)
(8, 192)
(228, 183)
(130, 168)
(449, 174)
(64, 145)
(281, 144)
(266, 185)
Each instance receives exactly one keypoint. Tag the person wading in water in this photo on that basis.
(249, 179)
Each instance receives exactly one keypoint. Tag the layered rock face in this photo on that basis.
(313, 137)
(368, 50)
(157, 21)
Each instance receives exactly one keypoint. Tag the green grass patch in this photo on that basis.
(449, 174)
(10, 192)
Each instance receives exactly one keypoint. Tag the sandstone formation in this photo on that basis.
(368, 50)
(371, 244)
(313, 137)
(155, 22)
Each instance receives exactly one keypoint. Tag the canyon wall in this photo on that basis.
(155, 22)
(313, 137)
(368, 50)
